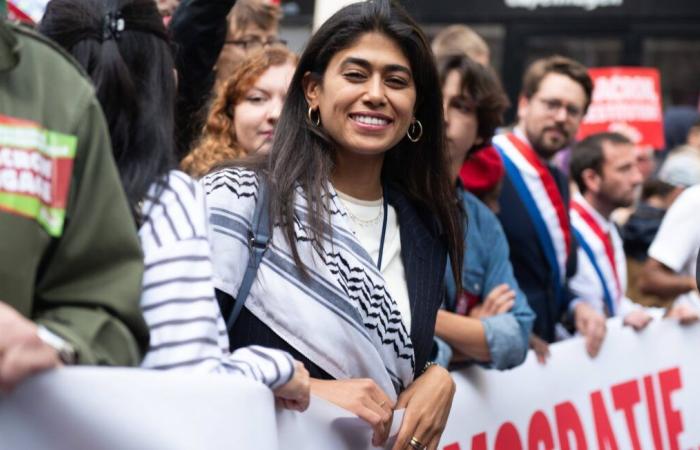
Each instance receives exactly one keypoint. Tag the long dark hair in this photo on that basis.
(303, 153)
(124, 47)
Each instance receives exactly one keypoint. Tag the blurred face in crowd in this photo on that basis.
(620, 177)
(461, 122)
(366, 97)
(256, 115)
(242, 42)
(551, 117)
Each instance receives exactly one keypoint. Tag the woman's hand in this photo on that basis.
(22, 353)
(295, 393)
(500, 300)
(362, 397)
(427, 401)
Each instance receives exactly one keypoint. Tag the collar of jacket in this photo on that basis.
(9, 48)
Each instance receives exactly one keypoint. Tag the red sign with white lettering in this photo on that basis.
(626, 100)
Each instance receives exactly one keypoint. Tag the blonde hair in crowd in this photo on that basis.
(263, 14)
(461, 40)
(218, 143)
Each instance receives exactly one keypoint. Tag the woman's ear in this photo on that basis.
(312, 88)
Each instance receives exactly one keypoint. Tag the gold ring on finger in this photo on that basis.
(416, 444)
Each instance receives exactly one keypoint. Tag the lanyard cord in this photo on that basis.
(384, 220)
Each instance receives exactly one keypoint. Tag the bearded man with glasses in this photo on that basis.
(534, 201)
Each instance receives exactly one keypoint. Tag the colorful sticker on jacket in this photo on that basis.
(35, 172)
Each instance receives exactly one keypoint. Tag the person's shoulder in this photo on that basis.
(45, 52)
(479, 215)
(231, 189)
(688, 199)
(240, 181)
(176, 202)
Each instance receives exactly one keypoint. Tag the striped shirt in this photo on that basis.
(178, 303)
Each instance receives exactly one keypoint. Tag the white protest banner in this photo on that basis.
(118, 409)
(641, 392)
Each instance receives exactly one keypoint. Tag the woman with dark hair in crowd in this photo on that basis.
(125, 49)
(364, 217)
(244, 112)
(489, 321)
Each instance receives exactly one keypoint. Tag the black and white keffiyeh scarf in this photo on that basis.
(341, 317)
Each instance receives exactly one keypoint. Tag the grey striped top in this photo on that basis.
(178, 303)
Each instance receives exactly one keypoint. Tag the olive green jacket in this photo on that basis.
(70, 258)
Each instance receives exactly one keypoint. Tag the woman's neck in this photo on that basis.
(358, 176)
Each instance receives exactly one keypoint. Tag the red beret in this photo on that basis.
(482, 171)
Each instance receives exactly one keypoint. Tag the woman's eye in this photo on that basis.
(354, 76)
(255, 99)
(397, 81)
(462, 107)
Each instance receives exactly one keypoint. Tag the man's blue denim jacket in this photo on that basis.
(487, 265)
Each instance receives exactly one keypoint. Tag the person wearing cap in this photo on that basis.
(70, 260)
(489, 321)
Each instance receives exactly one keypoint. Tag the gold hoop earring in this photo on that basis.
(310, 114)
(411, 132)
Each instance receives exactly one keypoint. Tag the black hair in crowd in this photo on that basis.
(304, 153)
(124, 47)
(588, 154)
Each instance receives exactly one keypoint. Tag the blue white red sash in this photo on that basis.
(539, 193)
(600, 250)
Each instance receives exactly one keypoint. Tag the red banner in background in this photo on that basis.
(626, 100)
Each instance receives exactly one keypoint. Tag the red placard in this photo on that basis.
(626, 100)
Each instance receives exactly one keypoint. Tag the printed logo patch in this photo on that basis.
(35, 172)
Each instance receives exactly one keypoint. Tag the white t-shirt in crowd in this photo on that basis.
(677, 243)
(366, 218)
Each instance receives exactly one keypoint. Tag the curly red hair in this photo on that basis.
(218, 142)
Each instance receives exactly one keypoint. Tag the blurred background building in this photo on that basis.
(657, 33)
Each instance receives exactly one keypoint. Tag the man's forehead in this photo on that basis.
(562, 87)
(618, 153)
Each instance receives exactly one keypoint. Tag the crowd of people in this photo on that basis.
(185, 193)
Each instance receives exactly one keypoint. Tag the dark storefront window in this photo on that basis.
(678, 60)
(593, 52)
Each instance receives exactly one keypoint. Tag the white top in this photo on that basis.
(366, 218)
(677, 243)
(586, 284)
(186, 327)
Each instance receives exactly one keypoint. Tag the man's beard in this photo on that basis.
(546, 149)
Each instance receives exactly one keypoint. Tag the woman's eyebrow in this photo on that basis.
(368, 66)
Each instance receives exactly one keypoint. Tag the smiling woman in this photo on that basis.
(364, 217)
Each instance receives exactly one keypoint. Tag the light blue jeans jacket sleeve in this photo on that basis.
(487, 265)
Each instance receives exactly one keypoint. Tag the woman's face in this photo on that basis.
(461, 123)
(256, 115)
(367, 96)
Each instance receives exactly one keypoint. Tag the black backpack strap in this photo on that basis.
(258, 239)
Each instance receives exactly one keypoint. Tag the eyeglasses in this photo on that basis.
(553, 106)
(252, 43)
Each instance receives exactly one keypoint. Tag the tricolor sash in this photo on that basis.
(540, 195)
(591, 237)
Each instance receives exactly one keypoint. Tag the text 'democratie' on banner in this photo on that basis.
(641, 392)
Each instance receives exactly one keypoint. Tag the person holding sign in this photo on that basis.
(70, 262)
(364, 217)
(605, 170)
(534, 200)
